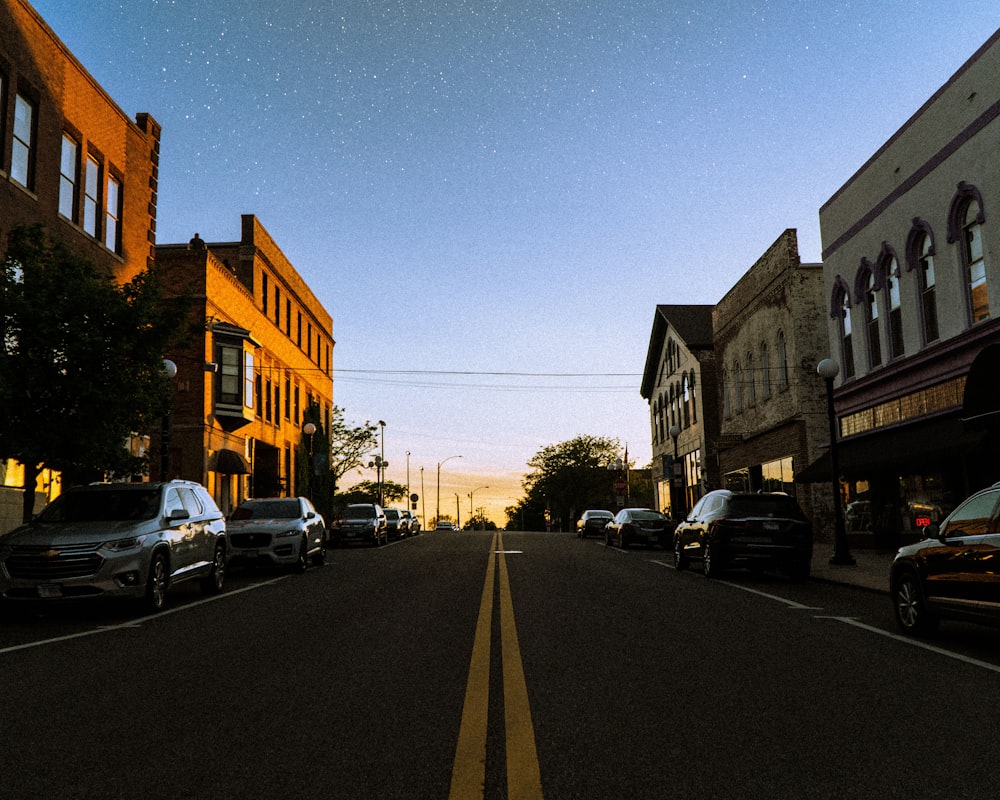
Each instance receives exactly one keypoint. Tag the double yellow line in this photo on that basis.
(468, 777)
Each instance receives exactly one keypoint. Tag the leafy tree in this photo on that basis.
(315, 478)
(566, 479)
(367, 492)
(350, 445)
(81, 364)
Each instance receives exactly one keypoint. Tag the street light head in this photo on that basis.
(674, 431)
(169, 368)
(828, 369)
(309, 429)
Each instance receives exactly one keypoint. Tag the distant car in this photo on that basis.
(284, 531)
(730, 529)
(412, 522)
(360, 522)
(593, 522)
(398, 524)
(638, 525)
(442, 525)
(954, 572)
(134, 540)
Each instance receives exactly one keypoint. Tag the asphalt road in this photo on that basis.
(534, 665)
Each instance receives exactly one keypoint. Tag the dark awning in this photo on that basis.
(902, 448)
(228, 462)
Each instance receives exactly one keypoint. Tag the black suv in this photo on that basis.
(955, 572)
(727, 529)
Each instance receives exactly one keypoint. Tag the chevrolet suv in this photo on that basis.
(117, 540)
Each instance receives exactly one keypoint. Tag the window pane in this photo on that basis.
(112, 208)
(67, 178)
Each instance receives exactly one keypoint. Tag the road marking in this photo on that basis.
(916, 643)
(468, 777)
(138, 623)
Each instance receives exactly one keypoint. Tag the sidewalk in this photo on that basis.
(870, 572)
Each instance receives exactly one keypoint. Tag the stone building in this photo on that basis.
(911, 251)
(769, 337)
(679, 383)
(242, 389)
(74, 162)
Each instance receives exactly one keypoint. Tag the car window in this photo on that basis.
(972, 518)
(191, 502)
(698, 507)
(173, 502)
(646, 515)
(764, 505)
(103, 506)
(360, 512)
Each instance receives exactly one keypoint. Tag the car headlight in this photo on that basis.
(124, 545)
(293, 532)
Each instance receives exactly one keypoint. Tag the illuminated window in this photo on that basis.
(112, 215)
(975, 266)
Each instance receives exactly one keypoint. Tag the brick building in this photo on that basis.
(911, 254)
(73, 161)
(679, 383)
(266, 356)
(768, 340)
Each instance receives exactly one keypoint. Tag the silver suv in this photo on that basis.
(117, 540)
(285, 531)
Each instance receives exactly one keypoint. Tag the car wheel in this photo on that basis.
(156, 584)
(709, 567)
(607, 537)
(912, 614)
(214, 581)
(302, 564)
(320, 558)
(680, 559)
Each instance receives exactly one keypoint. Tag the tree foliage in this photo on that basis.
(350, 445)
(367, 492)
(81, 364)
(566, 479)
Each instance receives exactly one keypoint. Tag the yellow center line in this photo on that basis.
(468, 776)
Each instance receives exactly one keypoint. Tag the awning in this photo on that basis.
(228, 462)
(902, 448)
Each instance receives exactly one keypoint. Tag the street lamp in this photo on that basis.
(828, 369)
(472, 512)
(438, 513)
(166, 425)
(309, 429)
(381, 473)
(675, 494)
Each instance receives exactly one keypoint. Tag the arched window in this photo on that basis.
(890, 273)
(920, 257)
(765, 371)
(965, 225)
(737, 388)
(686, 401)
(727, 396)
(694, 400)
(841, 311)
(673, 410)
(781, 353)
(751, 382)
(869, 291)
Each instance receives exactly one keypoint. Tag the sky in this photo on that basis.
(492, 197)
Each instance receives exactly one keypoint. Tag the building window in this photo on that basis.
(91, 196)
(781, 353)
(69, 172)
(928, 288)
(727, 411)
(229, 375)
(277, 306)
(288, 318)
(894, 309)
(248, 380)
(872, 321)
(975, 265)
(263, 293)
(23, 149)
(694, 399)
(765, 371)
(113, 215)
(751, 382)
(686, 395)
(737, 388)
(842, 311)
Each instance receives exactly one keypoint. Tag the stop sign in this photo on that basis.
(619, 486)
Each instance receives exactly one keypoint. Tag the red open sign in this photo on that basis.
(923, 522)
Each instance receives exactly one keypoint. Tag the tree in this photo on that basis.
(81, 363)
(349, 445)
(566, 479)
(367, 492)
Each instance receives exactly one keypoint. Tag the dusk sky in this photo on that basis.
(491, 198)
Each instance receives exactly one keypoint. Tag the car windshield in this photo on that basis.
(360, 512)
(103, 506)
(391, 514)
(268, 509)
(764, 505)
(647, 515)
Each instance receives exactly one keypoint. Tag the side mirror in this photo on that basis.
(933, 531)
(178, 514)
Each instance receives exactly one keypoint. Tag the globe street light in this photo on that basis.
(382, 466)
(675, 494)
(828, 369)
(309, 429)
(166, 425)
(438, 516)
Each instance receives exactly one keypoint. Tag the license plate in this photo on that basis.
(250, 553)
(49, 590)
(771, 526)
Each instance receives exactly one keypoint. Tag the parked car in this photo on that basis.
(284, 531)
(443, 525)
(954, 573)
(632, 525)
(414, 522)
(593, 522)
(360, 522)
(728, 529)
(398, 524)
(134, 540)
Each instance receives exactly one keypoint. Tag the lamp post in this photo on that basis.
(472, 512)
(309, 429)
(675, 467)
(382, 466)
(437, 517)
(423, 498)
(828, 369)
(166, 425)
